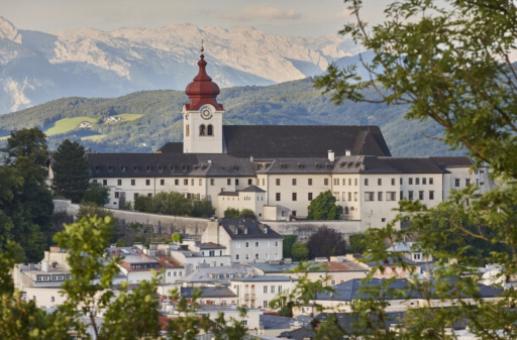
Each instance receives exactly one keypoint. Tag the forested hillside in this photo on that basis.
(143, 121)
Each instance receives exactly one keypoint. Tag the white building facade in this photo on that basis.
(276, 171)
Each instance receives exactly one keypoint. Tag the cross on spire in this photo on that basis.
(202, 46)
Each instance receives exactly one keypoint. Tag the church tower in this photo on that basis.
(203, 115)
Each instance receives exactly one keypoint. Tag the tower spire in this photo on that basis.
(202, 47)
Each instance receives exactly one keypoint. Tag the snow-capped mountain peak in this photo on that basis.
(91, 62)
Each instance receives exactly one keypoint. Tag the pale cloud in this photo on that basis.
(264, 13)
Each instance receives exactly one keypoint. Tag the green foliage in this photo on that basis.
(25, 202)
(96, 194)
(326, 242)
(176, 237)
(235, 213)
(287, 245)
(447, 62)
(71, 174)
(231, 213)
(247, 213)
(324, 207)
(357, 244)
(174, 203)
(300, 251)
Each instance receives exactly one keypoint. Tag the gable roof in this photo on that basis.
(248, 228)
(265, 141)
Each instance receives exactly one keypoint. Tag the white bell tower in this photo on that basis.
(203, 115)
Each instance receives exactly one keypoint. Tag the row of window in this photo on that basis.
(370, 196)
(310, 196)
(417, 181)
(177, 181)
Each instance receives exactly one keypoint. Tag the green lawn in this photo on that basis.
(66, 125)
(94, 138)
(129, 117)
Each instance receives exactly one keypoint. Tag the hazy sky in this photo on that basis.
(292, 17)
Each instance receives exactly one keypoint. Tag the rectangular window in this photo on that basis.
(410, 180)
(250, 181)
(294, 197)
(104, 182)
(369, 196)
(424, 180)
(119, 182)
(265, 290)
(421, 195)
(343, 181)
(236, 181)
(277, 197)
(410, 195)
(391, 196)
(228, 181)
(355, 181)
(417, 181)
(350, 196)
(294, 181)
(456, 182)
(343, 196)
(326, 181)
(192, 181)
(393, 181)
(212, 181)
(309, 181)
(185, 181)
(162, 182)
(116, 194)
(336, 181)
(401, 181)
(431, 195)
(309, 196)
(430, 180)
(200, 181)
(349, 181)
(379, 196)
(176, 181)
(277, 181)
(379, 181)
(366, 181)
(133, 182)
(467, 181)
(147, 182)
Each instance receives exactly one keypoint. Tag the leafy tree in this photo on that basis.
(357, 243)
(447, 61)
(247, 213)
(231, 213)
(324, 207)
(96, 194)
(25, 201)
(300, 251)
(174, 203)
(176, 237)
(326, 242)
(70, 168)
(287, 245)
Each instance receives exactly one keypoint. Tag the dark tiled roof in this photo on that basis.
(208, 292)
(210, 245)
(453, 162)
(412, 165)
(167, 165)
(247, 229)
(171, 147)
(271, 141)
(252, 188)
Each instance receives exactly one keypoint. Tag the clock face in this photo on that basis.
(206, 111)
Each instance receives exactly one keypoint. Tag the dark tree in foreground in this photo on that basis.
(324, 207)
(326, 242)
(70, 168)
(448, 61)
(96, 194)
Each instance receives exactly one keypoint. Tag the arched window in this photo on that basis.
(209, 130)
(202, 131)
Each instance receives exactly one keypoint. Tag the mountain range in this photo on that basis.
(36, 67)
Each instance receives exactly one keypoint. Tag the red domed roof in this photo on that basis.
(202, 90)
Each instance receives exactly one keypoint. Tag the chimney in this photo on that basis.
(348, 153)
(331, 155)
(251, 159)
